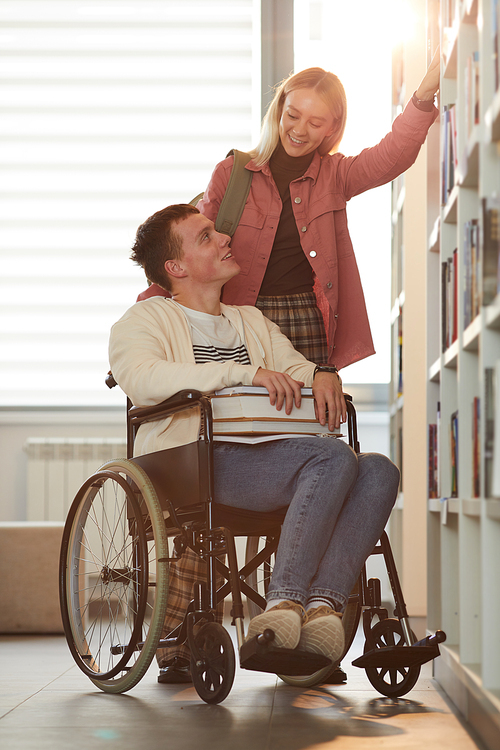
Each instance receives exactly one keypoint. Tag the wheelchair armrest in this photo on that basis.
(186, 399)
(110, 381)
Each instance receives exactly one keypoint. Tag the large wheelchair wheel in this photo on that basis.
(114, 576)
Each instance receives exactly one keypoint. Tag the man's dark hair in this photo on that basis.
(156, 241)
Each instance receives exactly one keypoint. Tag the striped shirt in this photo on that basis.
(214, 338)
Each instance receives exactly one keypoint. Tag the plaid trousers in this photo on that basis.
(183, 574)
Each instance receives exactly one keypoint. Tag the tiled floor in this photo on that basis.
(47, 703)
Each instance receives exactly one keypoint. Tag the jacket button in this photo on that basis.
(304, 229)
(298, 200)
(335, 316)
(313, 253)
(329, 285)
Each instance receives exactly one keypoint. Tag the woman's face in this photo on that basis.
(305, 122)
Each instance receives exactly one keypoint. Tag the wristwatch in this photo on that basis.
(326, 368)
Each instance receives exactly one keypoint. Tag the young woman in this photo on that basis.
(292, 241)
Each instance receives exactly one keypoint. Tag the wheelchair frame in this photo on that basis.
(115, 557)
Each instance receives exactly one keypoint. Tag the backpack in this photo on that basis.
(236, 194)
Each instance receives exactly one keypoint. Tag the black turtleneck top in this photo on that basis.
(288, 270)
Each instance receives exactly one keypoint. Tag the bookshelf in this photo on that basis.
(408, 430)
(463, 360)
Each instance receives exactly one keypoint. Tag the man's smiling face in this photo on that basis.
(206, 255)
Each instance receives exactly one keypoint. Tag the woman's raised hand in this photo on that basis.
(430, 82)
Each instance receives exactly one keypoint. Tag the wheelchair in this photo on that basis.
(134, 516)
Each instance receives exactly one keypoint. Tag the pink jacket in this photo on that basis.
(319, 201)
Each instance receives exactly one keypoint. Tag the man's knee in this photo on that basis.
(339, 457)
(380, 467)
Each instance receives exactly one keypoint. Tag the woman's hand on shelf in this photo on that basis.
(429, 84)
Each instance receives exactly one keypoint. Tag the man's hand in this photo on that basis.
(281, 387)
(329, 403)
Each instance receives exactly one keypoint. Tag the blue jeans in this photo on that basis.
(338, 504)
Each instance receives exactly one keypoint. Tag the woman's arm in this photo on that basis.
(397, 151)
(212, 197)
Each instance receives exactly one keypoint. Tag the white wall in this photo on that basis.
(17, 426)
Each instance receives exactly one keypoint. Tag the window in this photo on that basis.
(112, 109)
(354, 41)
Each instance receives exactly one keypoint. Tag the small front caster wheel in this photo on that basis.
(213, 670)
(391, 681)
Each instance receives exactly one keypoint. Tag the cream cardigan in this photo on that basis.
(151, 358)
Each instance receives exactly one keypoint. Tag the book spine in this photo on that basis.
(489, 429)
(476, 478)
(454, 454)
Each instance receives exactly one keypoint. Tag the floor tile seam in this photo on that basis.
(36, 692)
(271, 715)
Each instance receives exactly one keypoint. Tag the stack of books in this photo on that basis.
(246, 410)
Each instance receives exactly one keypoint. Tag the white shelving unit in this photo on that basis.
(408, 524)
(464, 524)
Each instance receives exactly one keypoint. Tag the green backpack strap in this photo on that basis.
(236, 194)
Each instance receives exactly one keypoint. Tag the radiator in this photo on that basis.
(57, 467)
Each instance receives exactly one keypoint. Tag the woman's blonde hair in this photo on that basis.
(329, 88)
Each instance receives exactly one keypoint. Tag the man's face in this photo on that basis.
(206, 255)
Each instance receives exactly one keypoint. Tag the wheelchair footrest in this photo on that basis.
(397, 656)
(264, 657)
(403, 656)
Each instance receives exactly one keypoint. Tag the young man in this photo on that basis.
(338, 503)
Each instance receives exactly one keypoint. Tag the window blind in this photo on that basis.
(110, 110)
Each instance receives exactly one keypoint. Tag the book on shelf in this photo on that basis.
(400, 353)
(454, 454)
(433, 461)
(495, 25)
(489, 428)
(476, 447)
(247, 409)
(449, 300)
(472, 91)
(450, 152)
(438, 449)
(472, 271)
(434, 431)
(495, 474)
(490, 249)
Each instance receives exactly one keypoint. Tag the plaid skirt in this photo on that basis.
(300, 319)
